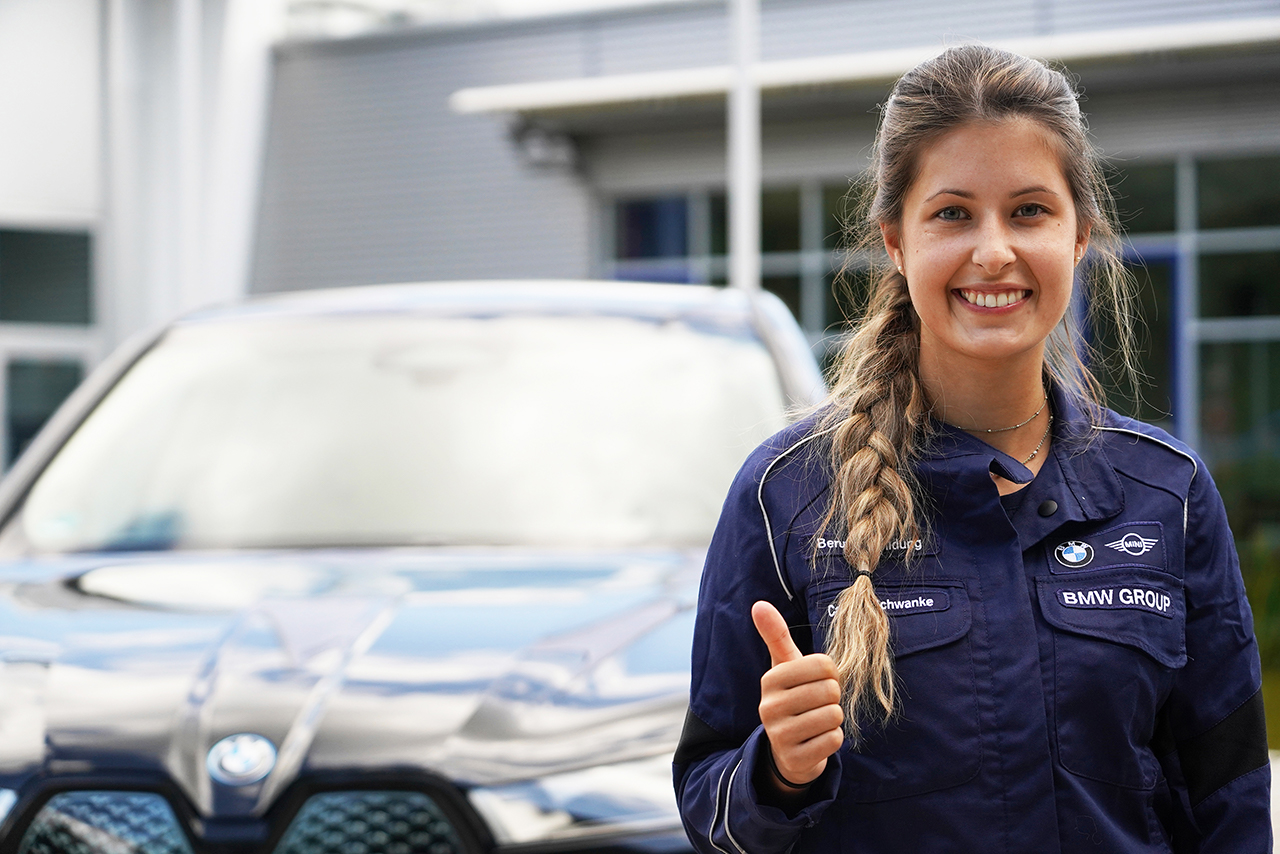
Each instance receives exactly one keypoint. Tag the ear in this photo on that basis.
(1082, 242)
(892, 243)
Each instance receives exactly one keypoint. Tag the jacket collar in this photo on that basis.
(1077, 476)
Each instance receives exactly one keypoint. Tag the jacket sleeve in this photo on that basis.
(723, 740)
(1220, 768)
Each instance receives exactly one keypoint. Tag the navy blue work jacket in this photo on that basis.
(1076, 662)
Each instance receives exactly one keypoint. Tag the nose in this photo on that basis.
(993, 249)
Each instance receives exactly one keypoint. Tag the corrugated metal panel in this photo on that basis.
(1170, 121)
(369, 178)
(1082, 15)
(796, 28)
(681, 37)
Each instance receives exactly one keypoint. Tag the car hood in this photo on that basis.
(484, 667)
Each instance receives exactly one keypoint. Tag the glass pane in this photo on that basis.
(1240, 285)
(44, 277)
(719, 225)
(1145, 197)
(1240, 425)
(399, 431)
(1155, 360)
(837, 207)
(787, 288)
(780, 221)
(33, 391)
(652, 228)
(1239, 192)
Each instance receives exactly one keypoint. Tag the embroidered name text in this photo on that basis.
(1117, 597)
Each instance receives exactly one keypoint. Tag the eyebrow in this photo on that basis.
(965, 194)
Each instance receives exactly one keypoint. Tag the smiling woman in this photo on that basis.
(970, 608)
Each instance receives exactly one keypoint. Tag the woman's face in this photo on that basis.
(988, 242)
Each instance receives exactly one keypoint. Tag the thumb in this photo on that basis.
(773, 630)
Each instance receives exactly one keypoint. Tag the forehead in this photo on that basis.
(991, 156)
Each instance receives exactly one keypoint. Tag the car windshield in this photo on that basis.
(406, 430)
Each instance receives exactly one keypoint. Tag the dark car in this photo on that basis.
(390, 569)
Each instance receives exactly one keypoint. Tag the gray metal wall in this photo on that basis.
(370, 178)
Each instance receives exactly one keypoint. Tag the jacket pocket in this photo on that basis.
(1118, 640)
(933, 742)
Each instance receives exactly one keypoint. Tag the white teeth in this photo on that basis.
(999, 300)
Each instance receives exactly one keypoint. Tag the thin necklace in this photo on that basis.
(1042, 438)
(1033, 417)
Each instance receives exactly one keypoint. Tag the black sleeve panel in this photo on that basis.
(1234, 746)
(698, 740)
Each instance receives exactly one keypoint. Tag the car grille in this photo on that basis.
(354, 822)
(105, 823)
(369, 822)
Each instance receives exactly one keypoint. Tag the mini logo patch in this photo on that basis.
(1074, 553)
(1133, 544)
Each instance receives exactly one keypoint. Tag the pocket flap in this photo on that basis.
(925, 616)
(1141, 608)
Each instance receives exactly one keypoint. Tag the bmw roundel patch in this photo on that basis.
(1074, 553)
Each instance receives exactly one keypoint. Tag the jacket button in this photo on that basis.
(1048, 507)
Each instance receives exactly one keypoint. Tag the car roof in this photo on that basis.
(632, 299)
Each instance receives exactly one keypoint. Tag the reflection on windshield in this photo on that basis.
(365, 430)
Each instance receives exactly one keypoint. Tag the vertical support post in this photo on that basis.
(1186, 300)
(744, 147)
(188, 109)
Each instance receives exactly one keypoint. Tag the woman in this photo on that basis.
(990, 614)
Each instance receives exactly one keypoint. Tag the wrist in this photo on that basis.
(786, 784)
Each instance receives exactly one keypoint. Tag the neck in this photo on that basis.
(978, 396)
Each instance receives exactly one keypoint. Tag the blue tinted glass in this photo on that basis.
(93, 822)
(653, 228)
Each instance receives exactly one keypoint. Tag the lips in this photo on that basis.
(993, 299)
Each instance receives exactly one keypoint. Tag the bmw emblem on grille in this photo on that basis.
(241, 759)
(1074, 553)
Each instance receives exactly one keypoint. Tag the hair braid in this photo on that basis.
(878, 429)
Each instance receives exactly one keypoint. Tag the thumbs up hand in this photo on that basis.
(799, 704)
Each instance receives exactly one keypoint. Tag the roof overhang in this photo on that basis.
(783, 76)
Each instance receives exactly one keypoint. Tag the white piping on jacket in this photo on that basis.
(727, 831)
(711, 830)
(768, 529)
(1195, 468)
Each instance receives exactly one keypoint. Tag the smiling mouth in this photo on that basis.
(993, 300)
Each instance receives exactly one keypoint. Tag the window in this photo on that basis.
(1242, 192)
(34, 389)
(44, 277)
(685, 238)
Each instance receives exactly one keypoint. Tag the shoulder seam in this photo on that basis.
(768, 528)
(1195, 467)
